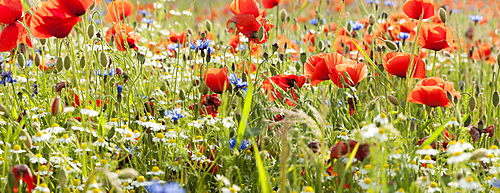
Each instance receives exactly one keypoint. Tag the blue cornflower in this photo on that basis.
(389, 3)
(174, 114)
(476, 18)
(105, 72)
(356, 25)
(495, 183)
(371, 1)
(147, 20)
(238, 82)
(314, 21)
(404, 35)
(171, 187)
(7, 78)
(243, 145)
(144, 12)
(119, 88)
(202, 45)
(173, 46)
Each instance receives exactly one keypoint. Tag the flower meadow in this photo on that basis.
(173, 96)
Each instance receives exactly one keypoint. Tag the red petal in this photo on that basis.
(50, 21)
(245, 7)
(118, 10)
(74, 7)
(11, 11)
(11, 36)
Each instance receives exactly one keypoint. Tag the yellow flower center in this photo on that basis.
(434, 185)
(427, 157)
(156, 169)
(171, 140)
(160, 135)
(368, 166)
(38, 155)
(17, 147)
(494, 147)
(65, 136)
(469, 179)
(456, 153)
(383, 115)
(198, 154)
(55, 125)
(308, 189)
(199, 137)
(128, 135)
(141, 179)
(343, 134)
(101, 140)
(367, 181)
(44, 185)
(39, 134)
(427, 147)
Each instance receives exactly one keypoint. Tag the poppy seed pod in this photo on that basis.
(67, 62)
(91, 30)
(21, 60)
(103, 59)
(59, 64)
(442, 15)
(283, 15)
(56, 106)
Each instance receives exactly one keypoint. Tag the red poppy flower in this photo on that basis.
(419, 8)
(73, 7)
(15, 32)
(268, 4)
(317, 66)
(209, 105)
(435, 37)
(248, 19)
(356, 72)
(433, 92)
(397, 64)
(345, 147)
(22, 172)
(124, 36)
(118, 10)
(245, 7)
(287, 83)
(50, 21)
(216, 79)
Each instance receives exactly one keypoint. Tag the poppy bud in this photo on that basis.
(103, 59)
(303, 57)
(442, 15)
(62, 175)
(141, 58)
(59, 64)
(208, 25)
(111, 133)
(275, 47)
(231, 26)
(349, 27)
(25, 137)
(498, 58)
(260, 34)
(91, 30)
(21, 60)
(38, 59)
(472, 103)
(43, 41)
(479, 153)
(495, 98)
(321, 46)
(182, 95)
(283, 15)
(128, 173)
(56, 106)
(391, 45)
(371, 19)
(82, 62)
(67, 62)
(370, 30)
(393, 100)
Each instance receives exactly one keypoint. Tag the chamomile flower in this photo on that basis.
(40, 137)
(461, 146)
(467, 183)
(140, 181)
(372, 131)
(343, 136)
(155, 171)
(248, 155)
(129, 137)
(381, 119)
(17, 149)
(101, 142)
(366, 183)
(198, 157)
(433, 187)
(453, 122)
(38, 158)
(427, 160)
(171, 142)
(159, 137)
(42, 188)
(427, 150)
(174, 166)
(171, 133)
(1, 160)
(89, 111)
(423, 181)
(228, 122)
(494, 150)
(458, 157)
(64, 139)
(234, 188)
(83, 147)
(223, 179)
(43, 170)
(198, 139)
(55, 129)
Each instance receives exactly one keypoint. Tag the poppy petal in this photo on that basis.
(118, 10)
(11, 11)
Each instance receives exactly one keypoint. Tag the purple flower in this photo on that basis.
(171, 187)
